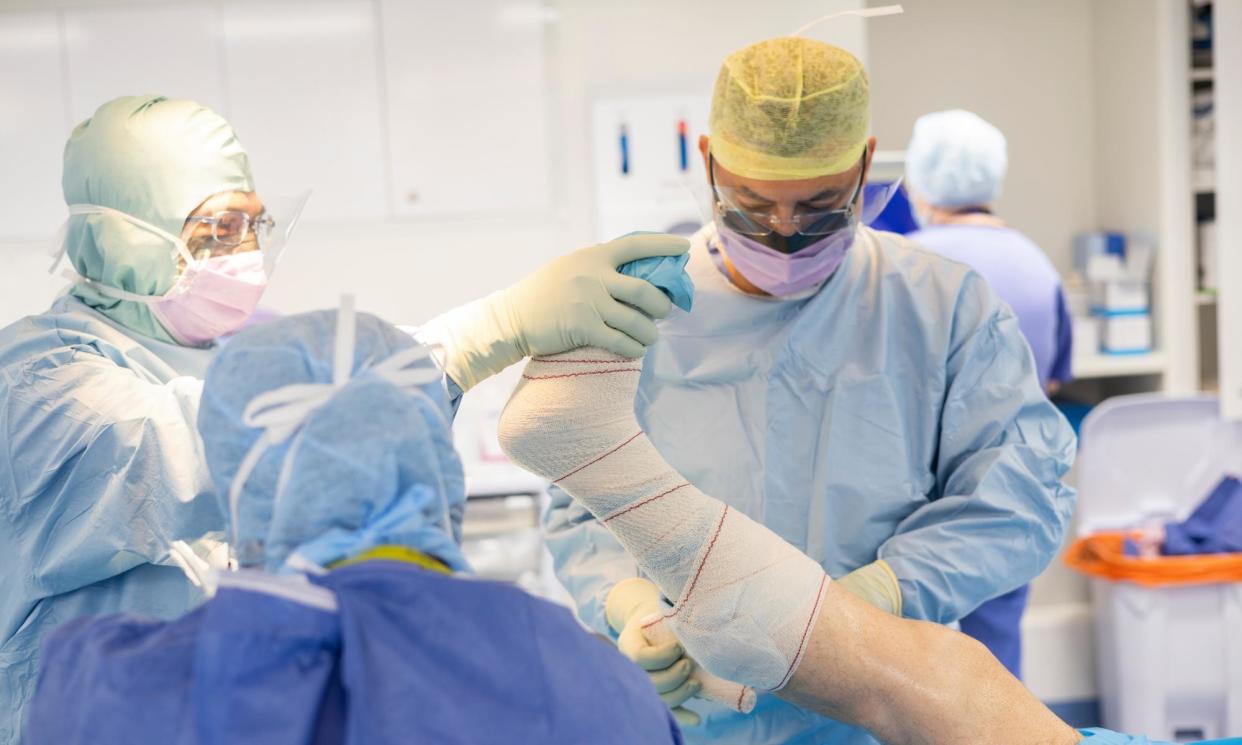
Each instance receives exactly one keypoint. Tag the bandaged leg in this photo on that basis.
(745, 600)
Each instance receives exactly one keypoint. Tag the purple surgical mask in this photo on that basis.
(786, 274)
(780, 274)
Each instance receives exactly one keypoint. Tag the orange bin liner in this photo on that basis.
(1103, 555)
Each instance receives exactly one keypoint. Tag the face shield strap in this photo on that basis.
(886, 10)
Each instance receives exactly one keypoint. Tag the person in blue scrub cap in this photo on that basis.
(104, 495)
(955, 168)
(352, 618)
(873, 404)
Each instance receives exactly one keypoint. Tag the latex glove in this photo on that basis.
(628, 605)
(577, 300)
(876, 584)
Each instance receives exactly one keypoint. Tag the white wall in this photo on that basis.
(1025, 67)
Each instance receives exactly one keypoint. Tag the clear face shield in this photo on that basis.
(226, 229)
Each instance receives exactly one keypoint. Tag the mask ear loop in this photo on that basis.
(59, 246)
(98, 209)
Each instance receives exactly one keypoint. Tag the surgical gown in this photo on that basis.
(405, 656)
(1023, 277)
(894, 414)
(100, 470)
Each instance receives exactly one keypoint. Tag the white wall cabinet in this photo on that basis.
(305, 99)
(34, 124)
(467, 106)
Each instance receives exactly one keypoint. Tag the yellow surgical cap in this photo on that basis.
(789, 108)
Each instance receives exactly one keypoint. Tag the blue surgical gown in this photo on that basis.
(895, 414)
(405, 656)
(1023, 277)
(100, 470)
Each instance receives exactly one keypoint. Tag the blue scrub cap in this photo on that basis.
(326, 442)
(956, 159)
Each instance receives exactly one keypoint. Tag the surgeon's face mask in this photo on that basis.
(784, 266)
(213, 296)
(784, 274)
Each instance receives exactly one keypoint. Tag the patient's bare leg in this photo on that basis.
(913, 682)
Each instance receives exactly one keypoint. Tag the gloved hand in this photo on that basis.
(577, 300)
(628, 605)
(876, 584)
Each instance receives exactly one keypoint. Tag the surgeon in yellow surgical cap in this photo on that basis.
(871, 403)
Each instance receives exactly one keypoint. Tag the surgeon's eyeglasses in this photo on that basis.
(808, 222)
(231, 228)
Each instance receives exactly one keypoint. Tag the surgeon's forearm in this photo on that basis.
(914, 682)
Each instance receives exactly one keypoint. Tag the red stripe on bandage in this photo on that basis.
(578, 375)
(647, 501)
(579, 362)
(597, 460)
(819, 598)
(694, 582)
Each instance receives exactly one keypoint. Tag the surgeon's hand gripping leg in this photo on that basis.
(745, 600)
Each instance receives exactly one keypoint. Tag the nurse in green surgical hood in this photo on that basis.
(105, 502)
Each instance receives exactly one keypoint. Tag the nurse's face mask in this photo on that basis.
(225, 258)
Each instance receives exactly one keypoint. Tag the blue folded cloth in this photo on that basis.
(1215, 527)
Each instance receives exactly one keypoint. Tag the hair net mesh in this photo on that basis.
(789, 108)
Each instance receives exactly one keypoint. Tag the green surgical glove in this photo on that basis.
(577, 300)
(876, 584)
(629, 604)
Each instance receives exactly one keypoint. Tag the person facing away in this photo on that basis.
(872, 404)
(955, 167)
(353, 618)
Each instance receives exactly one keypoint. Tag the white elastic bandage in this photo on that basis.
(745, 600)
